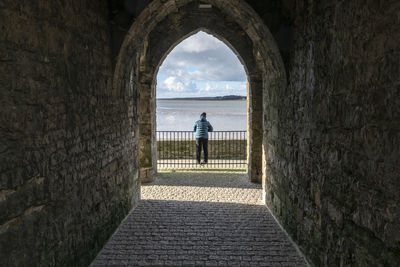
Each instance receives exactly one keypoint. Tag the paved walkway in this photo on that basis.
(199, 219)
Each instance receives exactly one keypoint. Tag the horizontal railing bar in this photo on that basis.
(193, 131)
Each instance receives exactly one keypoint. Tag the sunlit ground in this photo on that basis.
(211, 186)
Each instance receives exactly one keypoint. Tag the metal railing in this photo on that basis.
(177, 150)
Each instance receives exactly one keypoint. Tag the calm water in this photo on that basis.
(180, 115)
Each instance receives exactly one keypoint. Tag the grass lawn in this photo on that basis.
(217, 149)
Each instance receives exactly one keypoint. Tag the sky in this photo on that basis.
(201, 65)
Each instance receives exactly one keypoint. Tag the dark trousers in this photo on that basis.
(201, 143)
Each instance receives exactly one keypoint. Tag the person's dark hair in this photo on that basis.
(204, 114)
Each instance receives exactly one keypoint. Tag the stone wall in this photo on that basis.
(332, 143)
(68, 170)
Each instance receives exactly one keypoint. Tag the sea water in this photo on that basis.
(180, 115)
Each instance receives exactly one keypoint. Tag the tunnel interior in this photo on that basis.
(77, 120)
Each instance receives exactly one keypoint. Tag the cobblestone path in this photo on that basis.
(199, 219)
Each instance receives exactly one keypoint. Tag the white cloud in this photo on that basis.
(173, 85)
(199, 42)
(201, 65)
(202, 89)
(212, 58)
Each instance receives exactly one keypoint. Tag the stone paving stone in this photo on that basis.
(199, 219)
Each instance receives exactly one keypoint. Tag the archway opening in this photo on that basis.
(201, 74)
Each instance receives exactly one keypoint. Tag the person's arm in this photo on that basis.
(210, 128)
(195, 127)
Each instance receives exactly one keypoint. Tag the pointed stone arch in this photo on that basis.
(164, 24)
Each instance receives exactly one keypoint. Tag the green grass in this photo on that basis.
(217, 149)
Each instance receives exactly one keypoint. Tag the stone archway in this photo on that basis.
(165, 24)
(155, 53)
(154, 57)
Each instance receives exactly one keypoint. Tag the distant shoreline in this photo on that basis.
(216, 98)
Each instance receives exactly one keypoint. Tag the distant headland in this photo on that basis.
(226, 97)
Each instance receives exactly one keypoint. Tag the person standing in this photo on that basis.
(202, 127)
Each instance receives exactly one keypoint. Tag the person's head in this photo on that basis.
(203, 115)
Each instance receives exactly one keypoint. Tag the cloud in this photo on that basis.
(220, 88)
(213, 60)
(175, 84)
(201, 65)
(199, 42)
(204, 88)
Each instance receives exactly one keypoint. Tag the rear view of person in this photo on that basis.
(202, 127)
